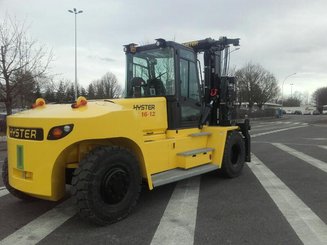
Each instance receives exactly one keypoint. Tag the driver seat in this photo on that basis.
(137, 83)
(156, 87)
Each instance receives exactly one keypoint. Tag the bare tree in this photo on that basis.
(90, 91)
(293, 101)
(256, 85)
(24, 90)
(107, 87)
(20, 58)
(64, 91)
(320, 97)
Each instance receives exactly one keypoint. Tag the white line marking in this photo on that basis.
(177, 224)
(258, 126)
(307, 225)
(311, 160)
(316, 139)
(42, 226)
(319, 125)
(278, 123)
(277, 131)
(323, 146)
(2, 187)
(287, 143)
(3, 192)
(269, 128)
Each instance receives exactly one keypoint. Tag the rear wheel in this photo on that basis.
(234, 155)
(107, 184)
(5, 178)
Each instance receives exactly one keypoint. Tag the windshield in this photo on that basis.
(151, 73)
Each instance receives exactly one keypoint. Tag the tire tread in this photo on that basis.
(82, 180)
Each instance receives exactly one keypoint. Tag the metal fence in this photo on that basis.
(243, 113)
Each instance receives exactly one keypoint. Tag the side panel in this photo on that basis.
(162, 155)
(39, 175)
(38, 167)
(151, 113)
(217, 141)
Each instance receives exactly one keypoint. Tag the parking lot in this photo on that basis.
(280, 198)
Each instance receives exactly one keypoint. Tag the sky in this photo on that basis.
(284, 36)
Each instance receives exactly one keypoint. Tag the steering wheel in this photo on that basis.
(160, 75)
(138, 82)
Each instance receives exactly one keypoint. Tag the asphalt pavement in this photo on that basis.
(280, 198)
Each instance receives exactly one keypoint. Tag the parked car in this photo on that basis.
(297, 112)
(308, 112)
(324, 109)
(315, 112)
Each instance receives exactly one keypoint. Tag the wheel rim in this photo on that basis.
(114, 186)
(235, 153)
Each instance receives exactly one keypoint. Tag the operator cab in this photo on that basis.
(166, 69)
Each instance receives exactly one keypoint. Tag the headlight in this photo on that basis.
(160, 42)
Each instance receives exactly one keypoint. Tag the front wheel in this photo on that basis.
(234, 155)
(107, 185)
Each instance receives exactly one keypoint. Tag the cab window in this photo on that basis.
(151, 73)
(189, 80)
(189, 87)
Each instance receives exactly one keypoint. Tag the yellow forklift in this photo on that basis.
(171, 124)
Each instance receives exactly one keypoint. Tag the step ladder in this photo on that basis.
(200, 134)
(193, 158)
(179, 174)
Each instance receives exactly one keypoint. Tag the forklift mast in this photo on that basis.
(218, 88)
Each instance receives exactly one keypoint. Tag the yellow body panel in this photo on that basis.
(217, 141)
(38, 167)
(194, 160)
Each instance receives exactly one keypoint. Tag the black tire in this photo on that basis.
(234, 155)
(5, 178)
(107, 185)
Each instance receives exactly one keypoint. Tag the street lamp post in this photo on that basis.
(229, 57)
(292, 89)
(75, 12)
(283, 85)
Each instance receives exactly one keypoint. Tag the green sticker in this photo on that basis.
(20, 157)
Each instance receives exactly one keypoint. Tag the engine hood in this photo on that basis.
(149, 113)
(92, 109)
